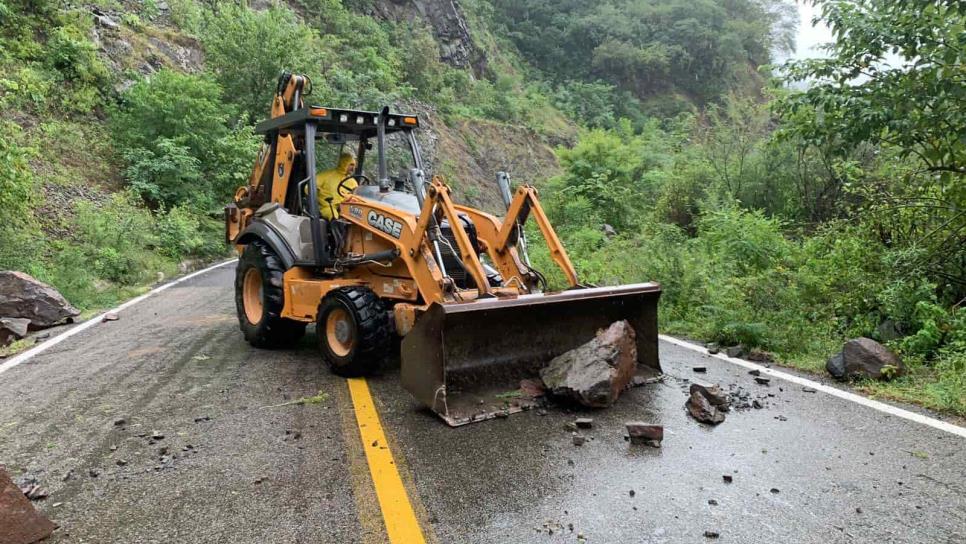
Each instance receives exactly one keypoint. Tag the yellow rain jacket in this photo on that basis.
(328, 185)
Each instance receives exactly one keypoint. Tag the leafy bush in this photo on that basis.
(178, 233)
(16, 179)
(174, 134)
(168, 105)
(246, 50)
(166, 175)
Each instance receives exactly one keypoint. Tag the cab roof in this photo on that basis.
(339, 121)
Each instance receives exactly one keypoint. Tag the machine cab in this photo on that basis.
(282, 193)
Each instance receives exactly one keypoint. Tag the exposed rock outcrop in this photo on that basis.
(448, 23)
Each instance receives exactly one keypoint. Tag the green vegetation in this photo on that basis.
(629, 58)
(793, 225)
(782, 219)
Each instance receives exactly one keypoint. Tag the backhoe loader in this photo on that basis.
(401, 260)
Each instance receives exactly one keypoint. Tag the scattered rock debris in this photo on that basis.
(712, 502)
(762, 381)
(711, 534)
(19, 520)
(775, 490)
(631, 493)
(639, 432)
(157, 435)
(109, 316)
(807, 389)
(713, 393)
(30, 486)
(728, 478)
(700, 369)
(707, 403)
(755, 372)
(713, 348)
(735, 351)
(584, 422)
(595, 373)
(759, 356)
(120, 422)
(12, 328)
(579, 439)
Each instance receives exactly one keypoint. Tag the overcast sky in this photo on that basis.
(809, 36)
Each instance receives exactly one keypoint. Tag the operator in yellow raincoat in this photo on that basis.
(334, 187)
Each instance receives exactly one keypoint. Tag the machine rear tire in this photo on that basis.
(259, 298)
(355, 334)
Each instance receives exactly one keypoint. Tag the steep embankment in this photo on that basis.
(93, 231)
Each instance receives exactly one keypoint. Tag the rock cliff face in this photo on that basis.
(447, 20)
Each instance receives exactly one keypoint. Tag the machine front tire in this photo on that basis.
(260, 297)
(355, 334)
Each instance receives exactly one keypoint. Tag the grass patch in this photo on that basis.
(304, 401)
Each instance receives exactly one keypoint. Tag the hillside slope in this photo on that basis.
(64, 92)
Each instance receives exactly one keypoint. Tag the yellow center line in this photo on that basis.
(401, 523)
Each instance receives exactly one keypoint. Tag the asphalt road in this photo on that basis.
(237, 464)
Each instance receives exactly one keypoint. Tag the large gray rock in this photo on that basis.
(23, 296)
(595, 373)
(864, 358)
(12, 328)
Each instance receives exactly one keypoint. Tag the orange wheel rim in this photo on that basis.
(252, 295)
(339, 332)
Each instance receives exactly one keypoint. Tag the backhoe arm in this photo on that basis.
(525, 203)
(438, 197)
(289, 92)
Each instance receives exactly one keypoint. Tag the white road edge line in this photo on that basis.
(835, 392)
(44, 346)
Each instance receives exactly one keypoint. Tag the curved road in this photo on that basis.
(239, 462)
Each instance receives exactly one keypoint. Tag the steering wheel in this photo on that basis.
(362, 179)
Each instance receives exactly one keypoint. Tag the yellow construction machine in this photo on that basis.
(400, 259)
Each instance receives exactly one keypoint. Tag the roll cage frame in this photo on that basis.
(348, 125)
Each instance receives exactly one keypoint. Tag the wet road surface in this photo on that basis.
(238, 462)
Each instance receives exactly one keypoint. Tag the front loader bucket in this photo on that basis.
(465, 360)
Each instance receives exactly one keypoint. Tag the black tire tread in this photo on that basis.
(374, 330)
(273, 331)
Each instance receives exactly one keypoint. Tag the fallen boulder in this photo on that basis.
(595, 373)
(12, 328)
(24, 297)
(20, 522)
(718, 398)
(702, 410)
(864, 358)
(639, 432)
